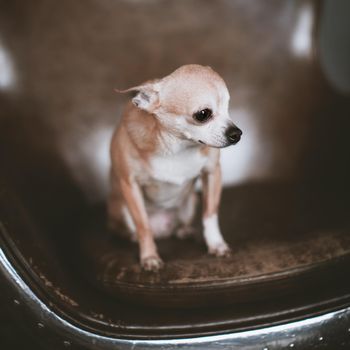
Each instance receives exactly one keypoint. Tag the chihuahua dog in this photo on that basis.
(170, 135)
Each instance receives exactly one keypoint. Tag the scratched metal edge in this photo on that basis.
(91, 340)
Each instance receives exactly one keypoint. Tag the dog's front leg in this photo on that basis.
(211, 184)
(132, 194)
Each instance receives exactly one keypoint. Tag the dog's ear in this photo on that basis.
(147, 95)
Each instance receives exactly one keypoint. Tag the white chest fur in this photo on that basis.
(178, 168)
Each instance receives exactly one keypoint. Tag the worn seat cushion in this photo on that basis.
(277, 238)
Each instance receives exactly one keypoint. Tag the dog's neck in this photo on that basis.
(150, 137)
(171, 143)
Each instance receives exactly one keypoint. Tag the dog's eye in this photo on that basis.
(203, 115)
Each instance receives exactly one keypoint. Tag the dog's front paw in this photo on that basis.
(220, 250)
(152, 263)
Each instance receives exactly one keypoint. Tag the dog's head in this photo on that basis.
(192, 102)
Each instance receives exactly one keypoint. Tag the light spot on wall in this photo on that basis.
(7, 74)
(301, 43)
(88, 159)
(250, 158)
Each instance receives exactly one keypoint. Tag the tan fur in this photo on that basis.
(211, 183)
(205, 150)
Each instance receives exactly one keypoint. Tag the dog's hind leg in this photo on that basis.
(186, 214)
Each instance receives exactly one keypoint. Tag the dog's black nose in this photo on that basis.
(233, 134)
